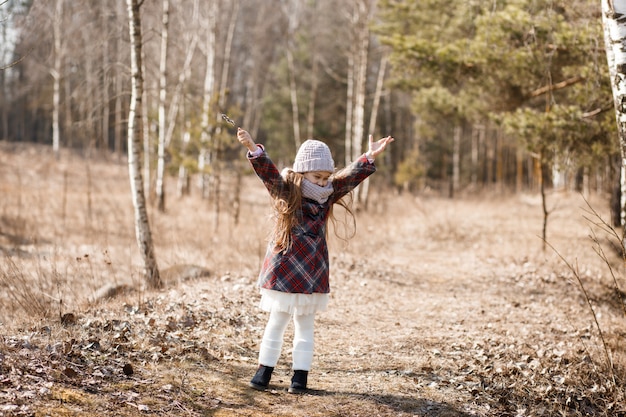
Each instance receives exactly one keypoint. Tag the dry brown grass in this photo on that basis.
(439, 307)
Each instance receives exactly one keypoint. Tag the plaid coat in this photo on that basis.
(304, 267)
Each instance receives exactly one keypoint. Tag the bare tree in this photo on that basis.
(359, 18)
(191, 43)
(382, 68)
(119, 102)
(56, 75)
(142, 226)
(145, 123)
(104, 81)
(349, 108)
(221, 104)
(291, 11)
(228, 46)
(160, 174)
(310, 118)
(361, 25)
(204, 159)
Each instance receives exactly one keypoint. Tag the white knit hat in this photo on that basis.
(313, 155)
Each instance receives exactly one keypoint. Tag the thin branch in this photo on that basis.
(603, 225)
(597, 111)
(593, 312)
(552, 87)
(14, 63)
(602, 255)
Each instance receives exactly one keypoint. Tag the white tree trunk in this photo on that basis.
(145, 129)
(228, 47)
(177, 97)
(160, 174)
(373, 117)
(215, 176)
(613, 13)
(293, 94)
(361, 22)
(456, 159)
(88, 104)
(290, 9)
(183, 174)
(209, 90)
(142, 226)
(118, 107)
(519, 169)
(310, 118)
(56, 76)
(382, 69)
(178, 101)
(360, 84)
(104, 84)
(478, 132)
(349, 109)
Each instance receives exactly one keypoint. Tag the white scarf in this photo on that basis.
(315, 192)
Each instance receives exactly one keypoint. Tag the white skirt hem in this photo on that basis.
(299, 304)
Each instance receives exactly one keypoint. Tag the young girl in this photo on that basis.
(294, 276)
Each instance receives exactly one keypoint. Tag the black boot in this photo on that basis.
(298, 382)
(261, 379)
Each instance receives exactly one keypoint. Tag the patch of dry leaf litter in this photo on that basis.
(391, 344)
(517, 341)
(117, 356)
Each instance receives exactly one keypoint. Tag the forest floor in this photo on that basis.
(439, 307)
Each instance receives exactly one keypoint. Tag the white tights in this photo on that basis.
(272, 342)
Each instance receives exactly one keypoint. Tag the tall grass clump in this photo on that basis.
(611, 371)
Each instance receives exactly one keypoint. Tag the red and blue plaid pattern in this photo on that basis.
(304, 267)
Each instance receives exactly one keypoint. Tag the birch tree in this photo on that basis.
(145, 122)
(118, 87)
(221, 104)
(361, 21)
(142, 226)
(310, 118)
(374, 116)
(204, 158)
(179, 102)
(357, 84)
(56, 76)
(613, 13)
(160, 174)
(104, 83)
(292, 12)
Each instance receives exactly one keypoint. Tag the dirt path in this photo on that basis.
(439, 308)
(453, 316)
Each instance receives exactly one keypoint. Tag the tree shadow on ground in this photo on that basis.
(11, 243)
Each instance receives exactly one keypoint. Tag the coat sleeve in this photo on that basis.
(348, 178)
(268, 174)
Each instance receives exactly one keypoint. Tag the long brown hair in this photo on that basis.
(287, 203)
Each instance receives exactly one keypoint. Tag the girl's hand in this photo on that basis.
(246, 140)
(376, 148)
